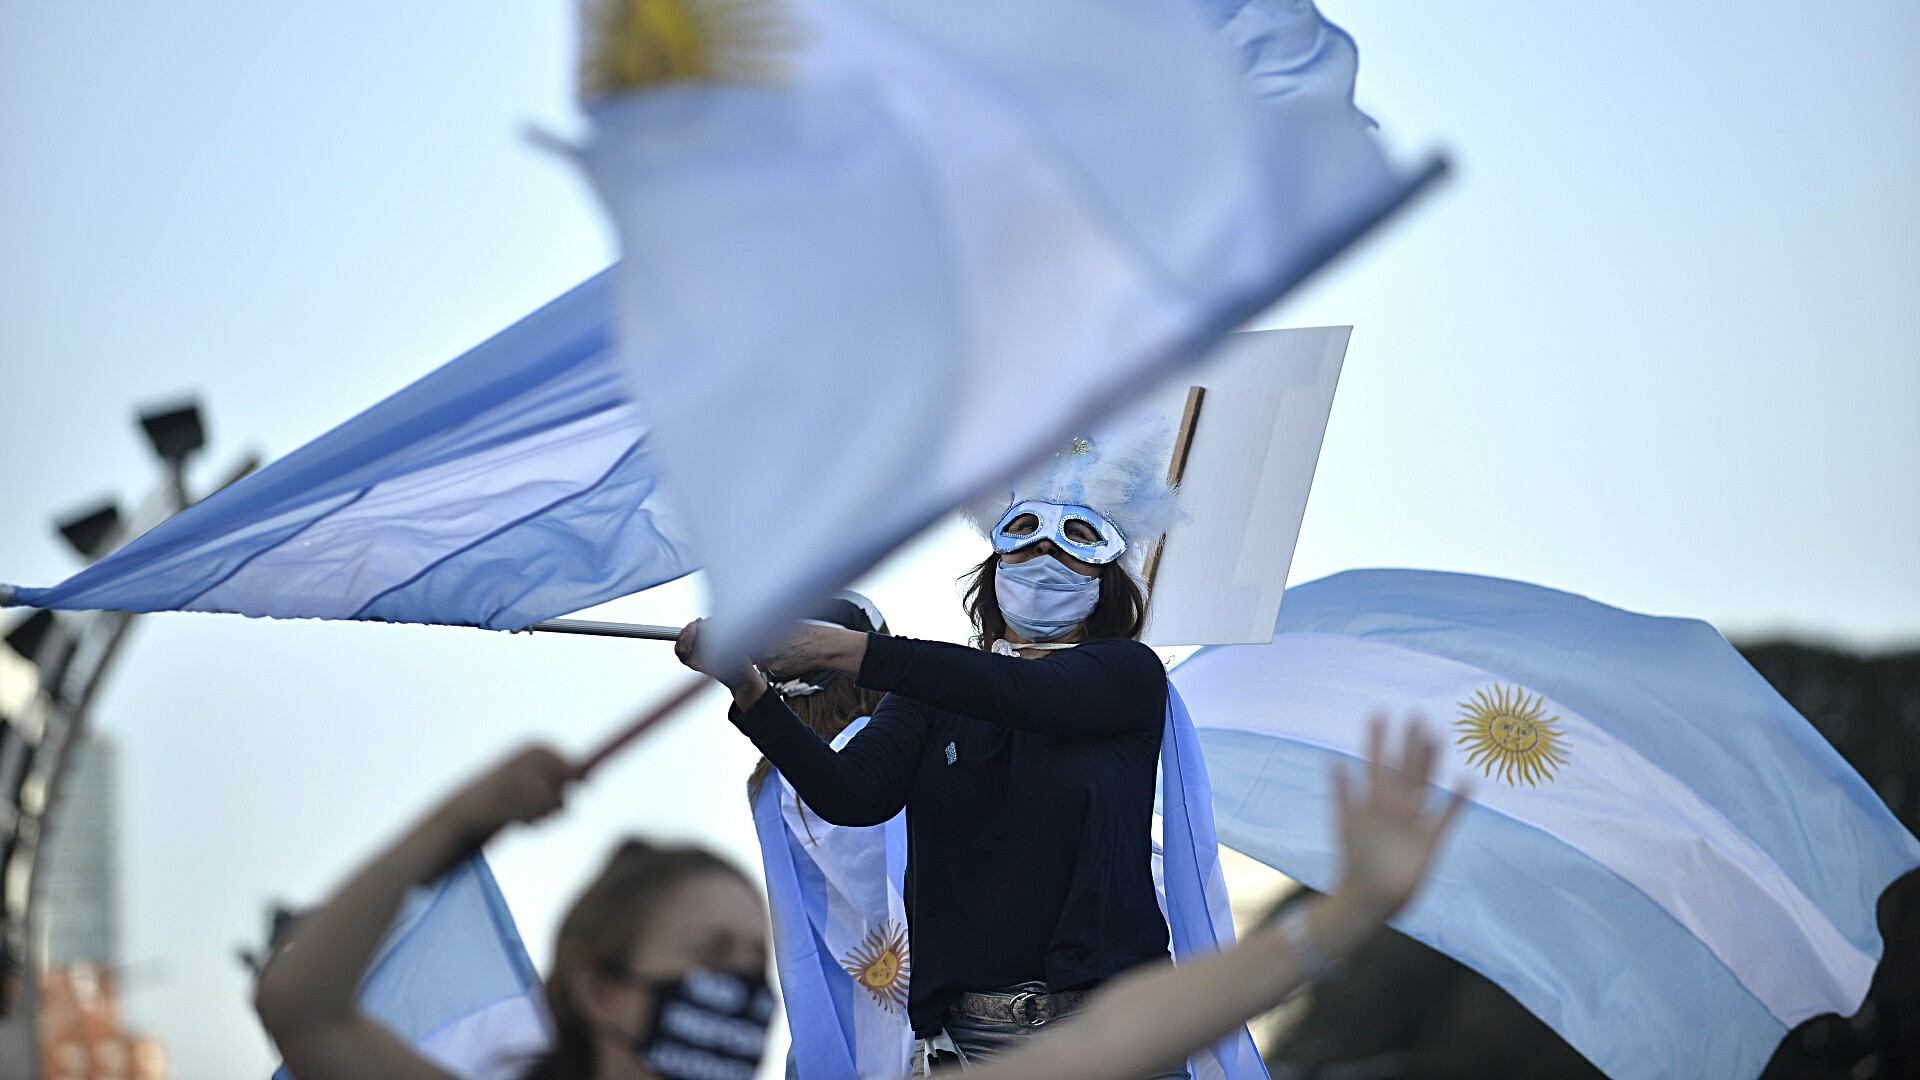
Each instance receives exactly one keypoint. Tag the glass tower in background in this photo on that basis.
(80, 922)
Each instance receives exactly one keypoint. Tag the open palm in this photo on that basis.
(1389, 828)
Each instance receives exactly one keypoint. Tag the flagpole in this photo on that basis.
(597, 628)
(639, 725)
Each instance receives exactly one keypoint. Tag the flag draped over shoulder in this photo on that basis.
(1193, 886)
(1662, 859)
(839, 934)
(454, 981)
(513, 484)
(879, 254)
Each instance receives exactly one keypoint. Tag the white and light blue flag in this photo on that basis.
(1662, 859)
(513, 484)
(1193, 884)
(454, 981)
(881, 318)
(839, 934)
(881, 254)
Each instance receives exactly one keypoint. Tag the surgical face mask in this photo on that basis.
(707, 1025)
(1042, 598)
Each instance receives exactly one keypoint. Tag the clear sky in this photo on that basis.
(1657, 342)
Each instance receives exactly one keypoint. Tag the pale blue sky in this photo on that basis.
(1657, 342)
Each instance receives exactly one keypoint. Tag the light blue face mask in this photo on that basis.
(1042, 598)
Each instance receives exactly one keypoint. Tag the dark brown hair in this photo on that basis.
(1120, 613)
(599, 934)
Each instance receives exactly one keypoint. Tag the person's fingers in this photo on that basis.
(534, 782)
(544, 761)
(1342, 790)
(1417, 762)
(555, 777)
(1393, 767)
(1376, 752)
(552, 798)
(687, 642)
(542, 795)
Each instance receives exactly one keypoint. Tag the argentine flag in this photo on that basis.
(1662, 859)
(1198, 160)
(514, 484)
(839, 934)
(454, 981)
(881, 254)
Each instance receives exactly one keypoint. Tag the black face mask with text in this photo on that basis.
(707, 1025)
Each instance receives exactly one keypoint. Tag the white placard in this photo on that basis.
(1255, 445)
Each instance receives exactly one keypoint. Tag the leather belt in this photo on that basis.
(1026, 1008)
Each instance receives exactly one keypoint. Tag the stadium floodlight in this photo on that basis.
(92, 531)
(175, 431)
(30, 635)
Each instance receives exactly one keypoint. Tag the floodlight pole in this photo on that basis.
(66, 722)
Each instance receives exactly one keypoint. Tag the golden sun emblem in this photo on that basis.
(637, 43)
(881, 964)
(1509, 735)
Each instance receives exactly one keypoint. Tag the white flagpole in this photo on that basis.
(597, 628)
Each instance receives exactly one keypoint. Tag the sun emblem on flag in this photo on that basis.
(639, 43)
(881, 965)
(1509, 735)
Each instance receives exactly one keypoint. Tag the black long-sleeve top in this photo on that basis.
(1028, 786)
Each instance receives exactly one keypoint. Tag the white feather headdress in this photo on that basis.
(1118, 468)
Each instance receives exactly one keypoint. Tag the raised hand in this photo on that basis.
(1389, 829)
(527, 786)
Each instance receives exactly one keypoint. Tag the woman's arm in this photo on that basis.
(864, 783)
(1100, 688)
(305, 996)
(1146, 1022)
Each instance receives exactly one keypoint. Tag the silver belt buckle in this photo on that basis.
(1030, 999)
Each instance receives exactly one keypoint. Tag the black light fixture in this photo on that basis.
(175, 431)
(30, 635)
(91, 531)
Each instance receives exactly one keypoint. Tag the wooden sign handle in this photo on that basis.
(1177, 471)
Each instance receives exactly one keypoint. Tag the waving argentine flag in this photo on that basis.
(857, 292)
(454, 980)
(1662, 859)
(514, 484)
(880, 254)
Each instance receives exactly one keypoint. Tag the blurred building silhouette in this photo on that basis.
(82, 1034)
(80, 921)
(1403, 1011)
